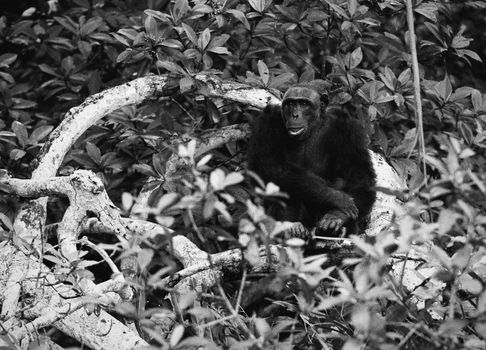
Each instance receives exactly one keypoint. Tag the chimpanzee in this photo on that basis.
(319, 157)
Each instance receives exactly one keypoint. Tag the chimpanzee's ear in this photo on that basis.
(322, 87)
(273, 108)
(324, 99)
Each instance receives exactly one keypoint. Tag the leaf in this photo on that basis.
(240, 16)
(207, 62)
(281, 226)
(460, 42)
(405, 76)
(150, 26)
(144, 257)
(29, 12)
(197, 342)
(262, 327)
(352, 6)
(233, 179)
(204, 39)
(314, 15)
(21, 132)
(157, 14)
(219, 40)
(471, 54)
(171, 67)
(245, 226)
(204, 160)
(257, 5)
(365, 247)
(192, 54)
(356, 57)
(181, 7)
(339, 10)
(216, 179)
(243, 239)
(172, 43)
(452, 327)
(7, 59)
(428, 10)
(39, 134)
(186, 84)
(482, 302)
(256, 212)
(461, 258)
(295, 242)
(444, 88)
(388, 78)
(252, 252)
(440, 255)
(90, 26)
(201, 8)
(283, 80)
(165, 221)
(7, 77)
(5, 220)
(361, 318)
(476, 100)
(176, 335)
(219, 50)
(20, 103)
(68, 24)
(187, 151)
(222, 209)
(447, 219)
(127, 201)
(85, 48)
(49, 70)
(191, 34)
(435, 32)
(16, 154)
(469, 284)
(263, 72)
(93, 152)
(124, 55)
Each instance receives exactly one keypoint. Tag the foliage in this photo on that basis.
(55, 57)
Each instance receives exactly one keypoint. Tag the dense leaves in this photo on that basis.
(56, 55)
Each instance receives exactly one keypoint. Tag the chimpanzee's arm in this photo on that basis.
(354, 166)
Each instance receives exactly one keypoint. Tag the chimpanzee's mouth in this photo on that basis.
(296, 131)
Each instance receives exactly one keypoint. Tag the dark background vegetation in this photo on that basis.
(55, 54)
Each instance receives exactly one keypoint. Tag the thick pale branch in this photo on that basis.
(37, 188)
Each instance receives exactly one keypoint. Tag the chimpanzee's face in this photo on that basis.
(299, 116)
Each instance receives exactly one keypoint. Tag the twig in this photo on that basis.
(409, 335)
(84, 240)
(242, 285)
(416, 85)
(230, 307)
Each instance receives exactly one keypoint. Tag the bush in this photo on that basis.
(56, 55)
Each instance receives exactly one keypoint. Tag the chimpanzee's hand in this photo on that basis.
(298, 231)
(331, 223)
(345, 203)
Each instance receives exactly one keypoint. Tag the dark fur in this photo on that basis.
(317, 170)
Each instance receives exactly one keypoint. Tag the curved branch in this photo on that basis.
(79, 119)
